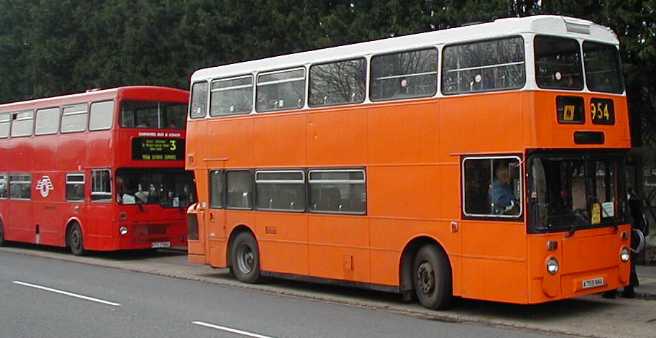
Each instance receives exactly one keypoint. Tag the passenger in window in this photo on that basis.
(501, 192)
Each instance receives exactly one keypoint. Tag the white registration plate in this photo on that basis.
(593, 283)
(158, 245)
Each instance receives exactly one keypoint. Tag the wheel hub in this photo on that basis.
(246, 259)
(426, 277)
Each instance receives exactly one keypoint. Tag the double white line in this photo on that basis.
(66, 293)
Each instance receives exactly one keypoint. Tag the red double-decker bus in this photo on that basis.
(101, 170)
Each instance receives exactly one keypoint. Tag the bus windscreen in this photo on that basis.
(153, 115)
(569, 193)
(170, 188)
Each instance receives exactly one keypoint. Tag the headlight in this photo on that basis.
(123, 230)
(625, 255)
(552, 265)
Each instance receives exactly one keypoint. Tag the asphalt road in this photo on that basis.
(49, 298)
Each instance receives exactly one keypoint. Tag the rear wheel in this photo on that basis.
(75, 241)
(245, 258)
(432, 278)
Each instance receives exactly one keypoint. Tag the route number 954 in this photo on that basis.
(602, 111)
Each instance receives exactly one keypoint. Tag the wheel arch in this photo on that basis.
(236, 231)
(407, 255)
(69, 223)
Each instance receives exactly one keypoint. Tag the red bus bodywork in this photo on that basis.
(46, 217)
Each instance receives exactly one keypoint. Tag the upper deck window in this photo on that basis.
(404, 75)
(232, 96)
(558, 63)
(153, 115)
(602, 67)
(101, 116)
(5, 124)
(281, 90)
(4, 186)
(47, 121)
(484, 66)
(335, 83)
(74, 118)
(22, 123)
(198, 106)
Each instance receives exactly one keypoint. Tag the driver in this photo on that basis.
(501, 191)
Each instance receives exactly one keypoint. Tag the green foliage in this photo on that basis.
(56, 47)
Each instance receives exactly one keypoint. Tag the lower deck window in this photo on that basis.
(20, 186)
(492, 187)
(280, 190)
(75, 187)
(240, 190)
(337, 191)
(101, 187)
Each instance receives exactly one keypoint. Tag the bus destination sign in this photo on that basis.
(158, 149)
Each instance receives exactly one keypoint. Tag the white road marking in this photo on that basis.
(70, 294)
(228, 329)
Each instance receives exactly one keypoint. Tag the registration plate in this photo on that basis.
(159, 245)
(593, 283)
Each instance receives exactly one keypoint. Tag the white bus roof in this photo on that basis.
(541, 24)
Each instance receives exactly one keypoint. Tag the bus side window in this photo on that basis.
(232, 96)
(404, 75)
(4, 188)
(20, 186)
(101, 186)
(74, 118)
(338, 191)
(217, 188)
(335, 83)
(492, 187)
(484, 66)
(198, 106)
(75, 187)
(240, 189)
(101, 115)
(5, 121)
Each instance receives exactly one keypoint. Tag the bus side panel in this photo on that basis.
(337, 137)
(99, 228)
(49, 209)
(494, 263)
(19, 225)
(335, 255)
(283, 239)
(277, 140)
(404, 203)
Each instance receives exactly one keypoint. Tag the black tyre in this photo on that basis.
(245, 258)
(432, 278)
(75, 240)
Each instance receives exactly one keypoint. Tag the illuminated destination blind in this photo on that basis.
(158, 149)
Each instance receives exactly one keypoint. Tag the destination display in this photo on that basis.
(602, 111)
(158, 149)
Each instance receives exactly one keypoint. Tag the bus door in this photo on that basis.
(213, 239)
(493, 231)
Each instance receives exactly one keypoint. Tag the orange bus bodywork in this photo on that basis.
(411, 151)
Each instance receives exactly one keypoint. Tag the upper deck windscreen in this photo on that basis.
(153, 115)
(561, 64)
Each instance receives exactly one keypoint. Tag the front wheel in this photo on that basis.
(75, 241)
(245, 258)
(432, 278)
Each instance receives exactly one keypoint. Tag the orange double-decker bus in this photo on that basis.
(101, 170)
(482, 162)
